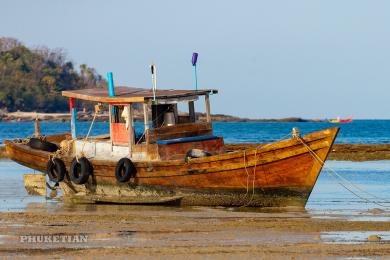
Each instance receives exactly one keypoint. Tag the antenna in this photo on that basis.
(194, 60)
(153, 70)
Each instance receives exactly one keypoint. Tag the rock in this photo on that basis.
(376, 211)
(53, 193)
(374, 238)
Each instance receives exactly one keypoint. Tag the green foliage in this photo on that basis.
(32, 79)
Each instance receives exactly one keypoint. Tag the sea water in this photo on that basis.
(358, 131)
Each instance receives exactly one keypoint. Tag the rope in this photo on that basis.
(89, 131)
(339, 176)
(254, 168)
(335, 175)
(143, 134)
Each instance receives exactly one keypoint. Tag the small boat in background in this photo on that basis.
(338, 120)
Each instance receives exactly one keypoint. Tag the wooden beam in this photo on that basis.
(110, 122)
(131, 128)
(191, 109)
(116, 99)
(176, 113)
(208, 115)
(73, 116)
(136, 95)
(176, 100)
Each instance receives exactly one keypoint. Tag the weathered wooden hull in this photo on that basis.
(274, 175)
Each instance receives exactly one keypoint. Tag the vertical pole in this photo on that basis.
(175, 113)
(146, 122)
(110, 81)
(153, 70)
(207, 101)
(196, 78)
(191, 109)
(193, 61)
(131, 128)
(111, 90)
(37, 128)
(72, 118)
(110, 122)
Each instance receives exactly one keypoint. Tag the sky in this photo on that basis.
(268, 59)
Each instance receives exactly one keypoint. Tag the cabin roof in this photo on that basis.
(132, 95)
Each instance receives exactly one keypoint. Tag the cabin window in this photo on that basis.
(117, 112)
(164, 115)
(168, 115)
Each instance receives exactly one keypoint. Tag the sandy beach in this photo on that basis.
(168, 232)
(164, 232)
(334, 225)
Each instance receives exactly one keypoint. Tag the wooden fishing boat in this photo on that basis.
(177, 159)
(338, 120)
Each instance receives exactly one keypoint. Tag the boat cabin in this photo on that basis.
(167, 134)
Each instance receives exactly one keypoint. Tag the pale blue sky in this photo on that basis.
(269, 59)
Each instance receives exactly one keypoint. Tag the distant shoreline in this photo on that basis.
(340, 152)
(88, 116)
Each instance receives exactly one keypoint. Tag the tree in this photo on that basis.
(32, 79)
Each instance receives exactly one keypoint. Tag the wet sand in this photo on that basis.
(196, 232)
(335, 225)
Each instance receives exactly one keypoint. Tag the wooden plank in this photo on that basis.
(179, 150)
(176, 113)
(35, 184)
(180, 130)
(131, 95)
(176, 100)
(110, 122)
(104, 99)
(191, 109)
(207, 101)
(182, 127)
(131, 128)
(146, 121)
(151, 150)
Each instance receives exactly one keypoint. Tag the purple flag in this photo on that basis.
(194, 58)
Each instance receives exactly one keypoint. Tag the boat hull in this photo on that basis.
(279, 174)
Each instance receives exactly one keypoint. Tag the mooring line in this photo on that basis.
(344, 179)
(334, 174)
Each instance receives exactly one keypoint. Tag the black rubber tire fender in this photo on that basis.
(56, 170)
(80, 170)
(39, 144)
(125, 169)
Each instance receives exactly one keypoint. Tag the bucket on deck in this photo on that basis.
(35, 184)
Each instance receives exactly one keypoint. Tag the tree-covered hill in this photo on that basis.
(32, 79)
